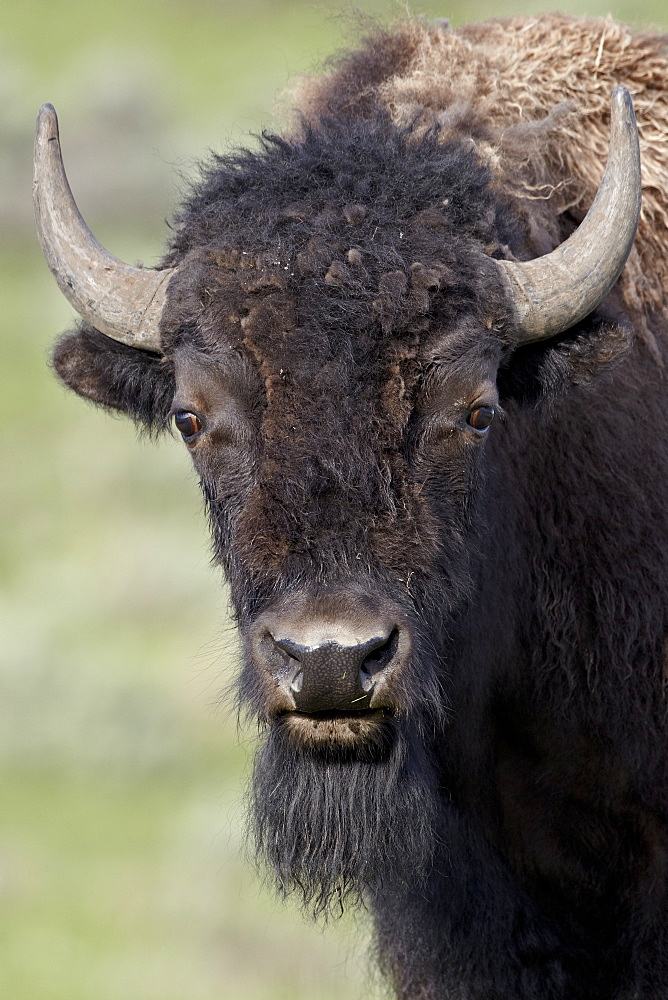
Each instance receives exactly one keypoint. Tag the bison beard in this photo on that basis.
(335, 826)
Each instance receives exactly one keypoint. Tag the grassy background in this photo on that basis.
(122, 874)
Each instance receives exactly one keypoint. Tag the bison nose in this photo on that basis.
(328, 675)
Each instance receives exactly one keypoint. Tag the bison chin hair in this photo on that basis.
(335, 827)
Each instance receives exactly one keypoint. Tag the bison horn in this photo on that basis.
(552, 293)
(121, 301)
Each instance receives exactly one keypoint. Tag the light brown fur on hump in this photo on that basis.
(540, 88)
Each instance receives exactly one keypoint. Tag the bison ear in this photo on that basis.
(139, 383)
(540, 371)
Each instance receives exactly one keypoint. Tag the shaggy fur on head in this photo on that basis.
(532, 95)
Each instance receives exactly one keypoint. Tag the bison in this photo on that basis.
(422, 396)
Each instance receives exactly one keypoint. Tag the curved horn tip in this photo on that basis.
(621, 97)
(47, 122)
(622, 110)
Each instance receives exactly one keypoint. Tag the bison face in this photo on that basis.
(341, 470)
(335, 349)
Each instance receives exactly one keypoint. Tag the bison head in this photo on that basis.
(335, 333)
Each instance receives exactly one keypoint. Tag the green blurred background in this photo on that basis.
(122, 774)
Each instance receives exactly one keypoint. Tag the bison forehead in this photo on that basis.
(331, 464)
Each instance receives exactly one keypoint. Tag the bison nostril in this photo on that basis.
(288, 649)
(297, 681)
(290, 654)
(378, 660)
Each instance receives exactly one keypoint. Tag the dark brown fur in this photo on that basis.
(335, 317)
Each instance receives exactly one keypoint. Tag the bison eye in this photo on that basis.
(480, 418)
(189, 424)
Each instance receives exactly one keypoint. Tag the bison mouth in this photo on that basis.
(368, 729)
